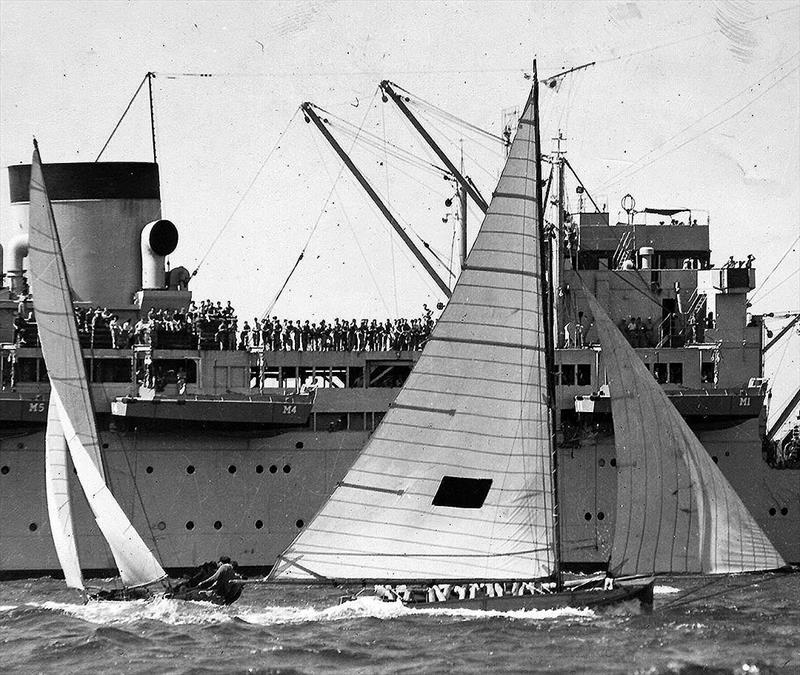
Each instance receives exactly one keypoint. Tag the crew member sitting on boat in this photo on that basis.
(224, 581)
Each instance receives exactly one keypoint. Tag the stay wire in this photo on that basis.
(778, 285)
(119, 122)
(774, 269)
(245, 193)
(391, 238)
(352, 229)
(444, 114)
(629, 171)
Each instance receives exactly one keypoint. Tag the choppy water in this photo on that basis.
(741, 624)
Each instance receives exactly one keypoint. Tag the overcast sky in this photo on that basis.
(690, 104)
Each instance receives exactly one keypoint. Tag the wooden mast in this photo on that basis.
(547, 315)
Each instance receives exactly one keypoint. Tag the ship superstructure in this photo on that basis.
(233, 453)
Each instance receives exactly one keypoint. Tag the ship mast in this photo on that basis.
(557, 261)
(462, 211)
(547, 319)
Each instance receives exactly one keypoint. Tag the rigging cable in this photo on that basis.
(391, 238)
(773, 270)
(132, 473)
(245, 193)
(350, 225)
(441, 112)
(778, 285)
(628, 172)
(127, 108)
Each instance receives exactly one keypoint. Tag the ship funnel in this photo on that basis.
(646, 254)
(159, 238)
(17, 252)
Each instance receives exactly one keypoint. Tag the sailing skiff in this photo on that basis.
(453, 500)
(71, 427)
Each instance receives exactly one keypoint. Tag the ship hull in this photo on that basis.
(202, 493)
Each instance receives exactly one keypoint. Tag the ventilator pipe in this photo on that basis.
(158, 240)
(646, 257)
(17, 252)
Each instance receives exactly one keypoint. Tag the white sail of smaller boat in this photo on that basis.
(71, 398)
(59, 506)
(676, 512)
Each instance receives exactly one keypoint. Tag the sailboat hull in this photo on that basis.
(592, 598)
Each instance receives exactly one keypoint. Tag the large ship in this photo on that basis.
(217, 443)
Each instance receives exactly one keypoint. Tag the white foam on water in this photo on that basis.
(665, 590)
(375, 608)
(7, 608)
(173, 612)
(181, 612)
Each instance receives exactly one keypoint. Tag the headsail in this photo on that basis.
(676, 512)
(55, 317)
(59, 507)
(456, 481)
(136, 563)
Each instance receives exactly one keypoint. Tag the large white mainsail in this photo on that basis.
(69, 391)
(456, 482)
(676, 512)
(59, 506)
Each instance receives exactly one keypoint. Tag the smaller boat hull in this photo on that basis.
(193, 594)
(592, 598)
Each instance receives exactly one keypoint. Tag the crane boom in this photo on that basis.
(387, 89)
(310, 113)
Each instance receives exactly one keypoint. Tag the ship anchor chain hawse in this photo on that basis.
(539, 432)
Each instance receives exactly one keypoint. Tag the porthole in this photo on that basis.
(232, 468)
(161, 525)
(716, 459)
(772, 511)
(33, 527)
(286, 468)
(190, 525)
(587, 516)
(273, 469)
(300, 524)
(149, 469)
(613, 462)
(727, 453)
(601, 516)
(4, 470)
(217, 524)
(784, 511)
(190, 469)
(105, 446)
(20, 446)
(602, 462)
(259, 468)
(299, 445)
(259, 524)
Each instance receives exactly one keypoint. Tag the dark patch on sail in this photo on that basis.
(462, 493)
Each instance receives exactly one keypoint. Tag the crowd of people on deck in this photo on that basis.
(210, 325)
(274, 334)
